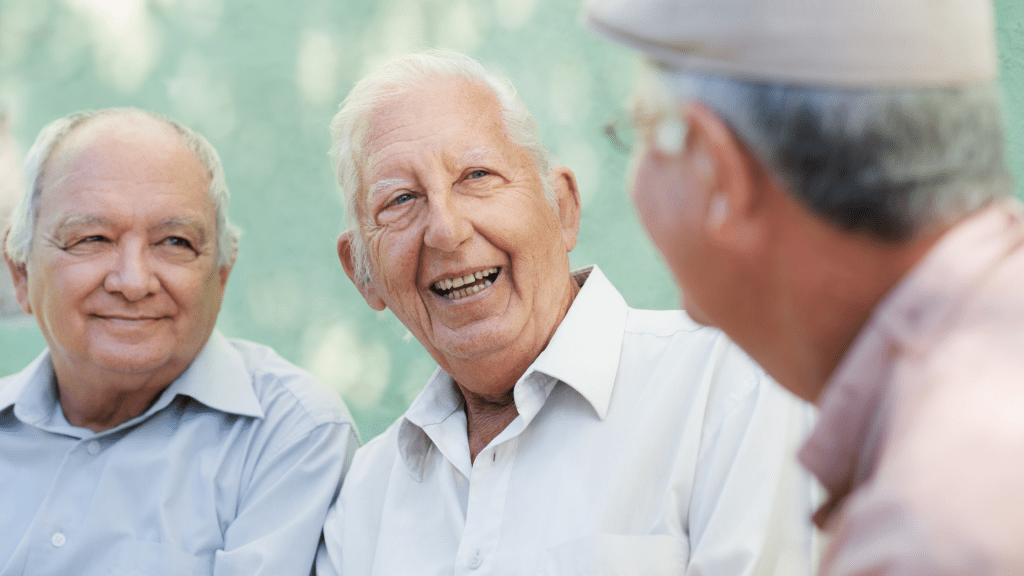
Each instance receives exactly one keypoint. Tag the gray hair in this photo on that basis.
(893, 163)
(399, 77)
(23, 219)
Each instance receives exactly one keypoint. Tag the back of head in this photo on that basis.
(19, 240)
(881, 117)
(405, 75)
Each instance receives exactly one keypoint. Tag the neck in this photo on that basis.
(108, 400)
(486, 417)
(487, 383)
(823, 291)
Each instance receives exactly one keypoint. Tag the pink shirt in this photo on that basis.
(920, 441)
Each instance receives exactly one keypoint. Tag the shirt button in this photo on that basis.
(475, 561)
(58, 539)
(93, 448)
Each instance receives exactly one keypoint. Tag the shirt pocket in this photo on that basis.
(616, 555)
(143, 558)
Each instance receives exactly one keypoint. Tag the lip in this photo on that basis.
(128, 319)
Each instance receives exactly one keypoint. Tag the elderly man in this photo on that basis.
(826, 180)
(549, 440)
(141, 441)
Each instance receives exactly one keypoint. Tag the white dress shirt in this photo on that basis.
(230, 471)
(645, 444)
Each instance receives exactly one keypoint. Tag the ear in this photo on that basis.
(19, 275)
(364, 285)
(568, 197)
(225, 270)
(726, 169)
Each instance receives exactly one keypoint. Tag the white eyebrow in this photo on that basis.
(384, 184)
(475, 156)
(79, 220)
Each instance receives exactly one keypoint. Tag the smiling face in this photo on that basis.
(463, 246)
(122, 276)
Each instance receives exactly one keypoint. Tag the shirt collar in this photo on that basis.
(583, 353)
(32, 392)
(841, 449)
(217, 377)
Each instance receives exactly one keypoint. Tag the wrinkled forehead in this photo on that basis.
(130, 155)
(452, 118)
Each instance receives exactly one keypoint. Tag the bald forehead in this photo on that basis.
(120, 142)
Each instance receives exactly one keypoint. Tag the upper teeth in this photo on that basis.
(449, 283)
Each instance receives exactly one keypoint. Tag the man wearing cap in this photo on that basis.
(827, 182)
(549, 440)
(142, 441)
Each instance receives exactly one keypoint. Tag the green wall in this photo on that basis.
(262, 80)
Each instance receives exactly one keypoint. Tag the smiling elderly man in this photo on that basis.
(141, 441)
(563, 432)
(827, 182)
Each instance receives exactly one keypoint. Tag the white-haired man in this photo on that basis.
(826, 180)
(142, 441)
(563, 432)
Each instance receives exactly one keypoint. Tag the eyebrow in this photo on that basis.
(381, 185)
(475, 156)
(194, 224)
(76, 220)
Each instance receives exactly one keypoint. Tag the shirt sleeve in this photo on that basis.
(751, 503)
(328, 555)
(282, 510)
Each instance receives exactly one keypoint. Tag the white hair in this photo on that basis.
(408, 74)
(893, 163)
(23, 219)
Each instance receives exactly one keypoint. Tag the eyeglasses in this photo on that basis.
(621, 132)
(669, 132)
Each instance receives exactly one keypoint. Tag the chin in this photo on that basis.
(133, 360)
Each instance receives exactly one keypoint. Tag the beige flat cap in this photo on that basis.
(842, 43)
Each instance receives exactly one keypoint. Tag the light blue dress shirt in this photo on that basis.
(230, 471)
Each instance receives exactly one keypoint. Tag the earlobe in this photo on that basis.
(568, 196)
(724, 165)
(364, 285)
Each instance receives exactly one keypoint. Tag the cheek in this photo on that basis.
(658, 197)
(395, 258)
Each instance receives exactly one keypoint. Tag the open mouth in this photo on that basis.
(462, 286)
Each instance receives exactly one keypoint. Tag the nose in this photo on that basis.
(447, 226)
(132, 275)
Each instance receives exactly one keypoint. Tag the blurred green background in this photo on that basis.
(262, 80)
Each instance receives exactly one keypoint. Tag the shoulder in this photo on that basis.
(368, 478)
(672, 339)
(374, 459)
(283, 388)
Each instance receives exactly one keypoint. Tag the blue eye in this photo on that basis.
(401, 199)
(477, 174)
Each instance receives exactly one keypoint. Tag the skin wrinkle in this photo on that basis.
(475, 201)
(123, 303)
